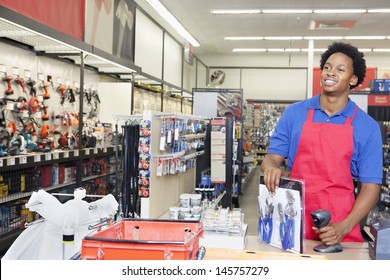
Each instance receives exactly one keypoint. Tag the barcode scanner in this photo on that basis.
(321, 218)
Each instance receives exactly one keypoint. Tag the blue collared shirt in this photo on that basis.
(367, 157)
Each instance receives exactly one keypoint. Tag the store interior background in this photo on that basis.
(159, 53)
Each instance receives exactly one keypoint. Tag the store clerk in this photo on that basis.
(328, 141)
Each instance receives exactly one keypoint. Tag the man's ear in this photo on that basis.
(353, 81)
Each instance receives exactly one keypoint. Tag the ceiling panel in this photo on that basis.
(210, 30)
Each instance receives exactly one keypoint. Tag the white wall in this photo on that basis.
(115, 99)
(268, 76)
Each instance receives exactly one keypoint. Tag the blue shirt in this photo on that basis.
(367, 157)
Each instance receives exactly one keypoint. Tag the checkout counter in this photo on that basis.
(255, 250)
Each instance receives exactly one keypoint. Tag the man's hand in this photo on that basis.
(272, 173)
(332, 233)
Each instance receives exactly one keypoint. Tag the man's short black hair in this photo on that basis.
(359, 63)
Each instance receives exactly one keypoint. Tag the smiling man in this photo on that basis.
(328, 141)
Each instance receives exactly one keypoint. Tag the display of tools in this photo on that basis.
(287, 222)
(62, 89)
(21, 83)
(33, 90)
(9, 89)
(45, 116)
(265, 224)
(46, 93)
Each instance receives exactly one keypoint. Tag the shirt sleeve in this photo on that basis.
(280, 139)
(370, 159)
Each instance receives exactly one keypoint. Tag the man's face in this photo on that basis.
(337, 75)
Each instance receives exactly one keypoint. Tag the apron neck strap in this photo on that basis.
(349, 120)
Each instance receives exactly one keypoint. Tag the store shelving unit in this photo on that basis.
(264, 115)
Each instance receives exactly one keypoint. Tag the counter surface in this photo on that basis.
(254, 249)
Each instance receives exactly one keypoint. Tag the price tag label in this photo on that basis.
(15, 71)
(105, 150)
(76, 153)
(23, 160)
(95, 151)
(58, 80)
(40, 98)
(10, 106)
(87, 151)
(66, 154)
(37, 158)
(56, 156)
(41, 77)
(47, 156)
(27, 73)
(11, 161)
(1, 163)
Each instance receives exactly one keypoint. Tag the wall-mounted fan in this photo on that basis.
(217, 78)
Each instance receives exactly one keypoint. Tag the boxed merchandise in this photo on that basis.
(380, 85)
(46, 176)
(108, 135)
(224, 240)
(144, 240)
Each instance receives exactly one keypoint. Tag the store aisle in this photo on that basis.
(248, 201)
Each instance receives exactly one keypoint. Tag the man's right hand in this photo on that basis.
(272, 173)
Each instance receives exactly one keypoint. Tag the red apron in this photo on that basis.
(323, 160)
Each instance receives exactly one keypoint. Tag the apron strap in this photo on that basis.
(310, 115)
(349, 120)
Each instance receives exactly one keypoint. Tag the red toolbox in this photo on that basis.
(144, 240)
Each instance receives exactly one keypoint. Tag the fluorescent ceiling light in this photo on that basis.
(289, 11)
(323, 37)
(235, 12)
(299, 50)
(378, 11)
(381, 50)
(160, 8)
(314, 50)
(364, 37)
(275, 50)
(249, 50)
(340, 11)
(244, 38)
(283, 38)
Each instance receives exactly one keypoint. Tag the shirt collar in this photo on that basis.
(348, 111)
